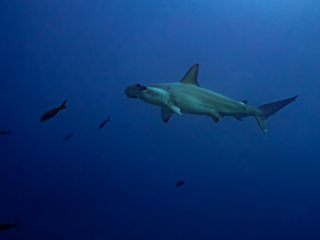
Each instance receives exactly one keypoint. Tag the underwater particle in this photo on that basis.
(8, 226)
(52, 112)
(4, 132)
(104, 123)
(68, 137)
(180, 183)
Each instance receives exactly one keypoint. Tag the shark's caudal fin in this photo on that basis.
(269, 109)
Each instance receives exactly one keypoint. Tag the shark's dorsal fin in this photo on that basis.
(191, 76)
(245, 102)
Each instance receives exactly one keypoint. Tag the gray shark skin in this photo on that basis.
(187, 96)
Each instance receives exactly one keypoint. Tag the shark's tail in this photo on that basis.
(269, 109)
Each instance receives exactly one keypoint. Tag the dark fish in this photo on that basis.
(4, 132)
(8, 226)
(52, 112)
(68, 137)
(104, 123)
(126, 125)
(180, 183)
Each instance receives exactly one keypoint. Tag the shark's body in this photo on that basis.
(187, 96)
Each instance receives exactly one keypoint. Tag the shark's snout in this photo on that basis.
(134, 90)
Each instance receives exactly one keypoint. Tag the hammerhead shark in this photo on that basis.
(187, 96)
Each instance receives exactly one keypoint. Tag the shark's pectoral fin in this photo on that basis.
(166, 113)
(216, 116)
(174, 108)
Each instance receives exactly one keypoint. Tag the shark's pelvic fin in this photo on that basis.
(166, 113)
(191, 76)
(216, 116)
(269, 109)
(174, 108)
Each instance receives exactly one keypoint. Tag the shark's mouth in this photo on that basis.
(134, 90)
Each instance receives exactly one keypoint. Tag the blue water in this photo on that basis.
(119, 182)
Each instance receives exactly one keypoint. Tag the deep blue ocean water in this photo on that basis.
(119, 182)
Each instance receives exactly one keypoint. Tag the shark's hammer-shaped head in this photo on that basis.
(135, 90)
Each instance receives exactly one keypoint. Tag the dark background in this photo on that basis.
(119, 182)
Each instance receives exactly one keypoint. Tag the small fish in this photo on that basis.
(104, 123)
(126, 125)
(52, 112)
(68, 137)
(8, 226)
(180, 183)
(4, 132)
